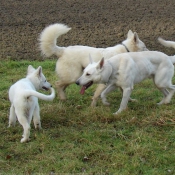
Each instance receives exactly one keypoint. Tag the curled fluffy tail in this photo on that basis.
(166, 43)
(48, 39)
(41, 96)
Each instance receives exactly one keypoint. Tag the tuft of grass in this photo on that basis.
(76, 138)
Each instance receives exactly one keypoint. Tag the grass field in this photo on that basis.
(76, 138)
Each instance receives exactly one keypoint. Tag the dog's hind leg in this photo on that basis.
(109, 88)
(12, 116)
(26, 127)
(165, 93)
(24, 121)
(36, 117)
(125, 98)
(169, 96)
(163, 81)
(61, 87)
(97, 93)
(130, 99)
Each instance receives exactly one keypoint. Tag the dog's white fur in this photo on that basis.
(73, 59)
(125, 70)
(166, 43)
(23, 96)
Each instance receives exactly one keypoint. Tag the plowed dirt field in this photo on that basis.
(98, 23)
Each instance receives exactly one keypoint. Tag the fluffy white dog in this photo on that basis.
(73, 59)
(23, 96)
(125, 70)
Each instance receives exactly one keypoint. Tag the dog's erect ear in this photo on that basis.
(90, 59)
(30, 69)
(39, 71)
(100, 64)
(130, 34)
(136, 37)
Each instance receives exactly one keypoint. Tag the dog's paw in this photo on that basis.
(93, 104)
(38, 126)
(106, 104)
(159, 103)
(163, 102)
(133, 100)
(11, 125)
(25, 140)
(118, 112)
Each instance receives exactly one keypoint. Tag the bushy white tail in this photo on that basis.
(41, 96)
(48, 39)
(166, 43)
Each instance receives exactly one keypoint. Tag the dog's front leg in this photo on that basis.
(125, 98)
(97, 93)
(61, 87)
(36, 117)
(109, 88)
(12, 116)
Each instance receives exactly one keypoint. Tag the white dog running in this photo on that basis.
(73, 59)
(24, 100)
(125, 70)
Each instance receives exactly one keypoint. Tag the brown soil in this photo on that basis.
(98, 23)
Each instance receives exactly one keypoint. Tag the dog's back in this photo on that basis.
(17, 94)
(143, 64)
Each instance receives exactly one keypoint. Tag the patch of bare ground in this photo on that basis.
(99, 23)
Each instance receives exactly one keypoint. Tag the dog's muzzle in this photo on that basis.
(77, 83)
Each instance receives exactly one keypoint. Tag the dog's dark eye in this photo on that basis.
(45, 80)
(87, 74)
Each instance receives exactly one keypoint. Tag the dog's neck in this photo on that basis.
(125, 47)
(106, 72)
(32, 83)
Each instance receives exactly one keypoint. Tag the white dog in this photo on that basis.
(125, 70)
(167, 43)
(24, 100)
(73, 59)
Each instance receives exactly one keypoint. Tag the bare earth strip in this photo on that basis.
(98, 23)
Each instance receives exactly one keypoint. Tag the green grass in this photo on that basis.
(76, 138)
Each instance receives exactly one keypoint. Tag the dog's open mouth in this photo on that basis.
(45, 88)
(85, 87)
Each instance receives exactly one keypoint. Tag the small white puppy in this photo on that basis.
(23, 96)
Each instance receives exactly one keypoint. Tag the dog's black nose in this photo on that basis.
(50, 85)
(77, 82)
